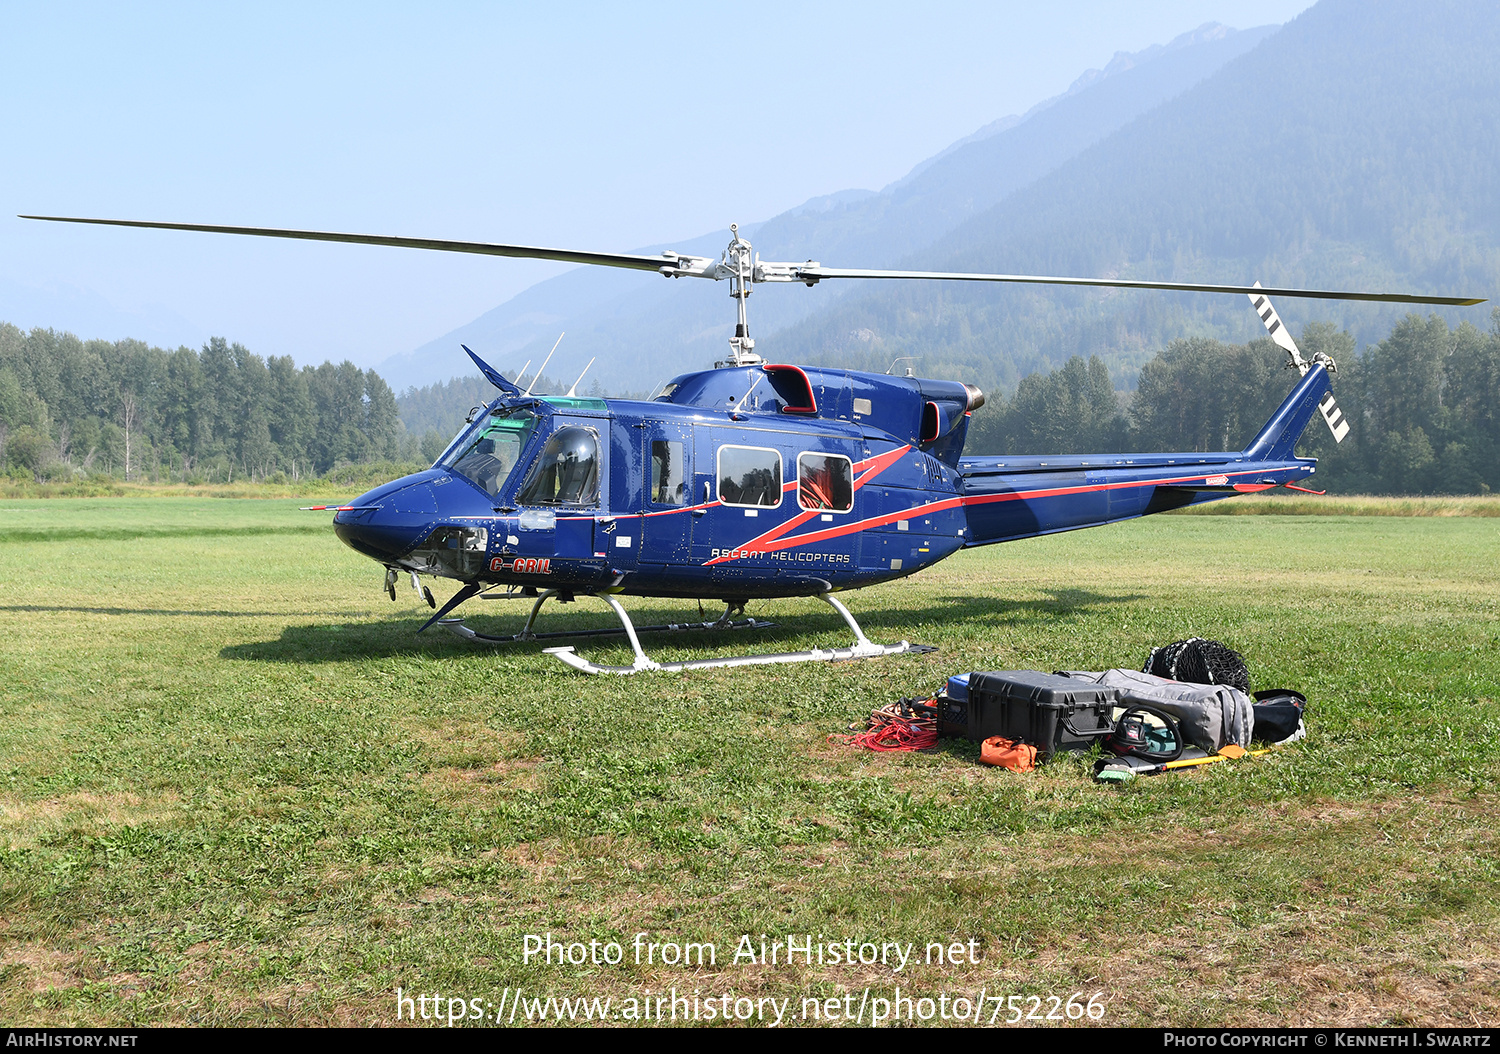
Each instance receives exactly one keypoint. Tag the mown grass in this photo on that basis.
(235, 788)
(346, 481)
(1286, 503)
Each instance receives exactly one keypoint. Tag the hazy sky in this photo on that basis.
(582, 126)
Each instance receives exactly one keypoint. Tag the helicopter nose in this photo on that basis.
(376, 533)
(386, 522)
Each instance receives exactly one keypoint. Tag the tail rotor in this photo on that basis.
(1337, 423)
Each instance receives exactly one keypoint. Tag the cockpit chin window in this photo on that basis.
(453, 552)
(491, 448)
(567, 473)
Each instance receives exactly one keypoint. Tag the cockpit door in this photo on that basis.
(559, 497)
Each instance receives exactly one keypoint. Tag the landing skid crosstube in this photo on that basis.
(862, 648)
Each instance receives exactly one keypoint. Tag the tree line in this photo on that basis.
(70, 407)
(1423, 406)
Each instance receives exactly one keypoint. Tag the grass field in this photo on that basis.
(236, 789)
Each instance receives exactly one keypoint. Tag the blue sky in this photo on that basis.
(603, 126)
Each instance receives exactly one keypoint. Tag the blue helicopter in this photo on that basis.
(757, 480)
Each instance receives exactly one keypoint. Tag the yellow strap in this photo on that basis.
(1230, 752)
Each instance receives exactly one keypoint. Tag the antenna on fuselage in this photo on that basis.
(574, 390)
(753, 383)
(517, 381)
(543, 366)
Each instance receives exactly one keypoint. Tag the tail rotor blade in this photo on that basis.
(1337, 423)
(1279, 332)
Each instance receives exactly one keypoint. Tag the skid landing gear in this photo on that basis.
(862, 648)
(456, 626)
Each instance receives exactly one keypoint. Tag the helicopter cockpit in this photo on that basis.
(487, 452)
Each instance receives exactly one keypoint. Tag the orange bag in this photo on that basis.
(1007, 753)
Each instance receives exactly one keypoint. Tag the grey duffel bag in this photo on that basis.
(1212, 715)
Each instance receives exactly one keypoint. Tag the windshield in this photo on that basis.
(491, 448)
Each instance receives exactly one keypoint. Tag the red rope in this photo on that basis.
(889, 728)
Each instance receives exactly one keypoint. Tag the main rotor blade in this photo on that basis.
(818, 273)
(529, 252)
(675, 265)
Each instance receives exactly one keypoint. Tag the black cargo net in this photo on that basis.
(1199, 661)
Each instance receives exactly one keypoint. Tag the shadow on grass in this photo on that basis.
(350, 642)
(190, 612)
(1067, 604)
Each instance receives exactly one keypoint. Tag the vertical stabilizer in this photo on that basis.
(1280, 435)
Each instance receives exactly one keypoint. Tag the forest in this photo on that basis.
(1423, 404)
(70, 407)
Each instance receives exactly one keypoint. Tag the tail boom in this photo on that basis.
(1008, 498)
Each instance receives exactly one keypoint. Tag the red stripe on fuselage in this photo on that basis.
(873, 467)
(764, 543)
(984, 499)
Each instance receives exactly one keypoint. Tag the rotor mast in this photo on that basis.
(738, 266)
(743, 268)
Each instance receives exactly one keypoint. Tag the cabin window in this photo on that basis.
(668, 483)
(493, 446)
(567, 473)
(749, 475)
(825, 483)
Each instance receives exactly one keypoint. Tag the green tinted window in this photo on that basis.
(494, 449)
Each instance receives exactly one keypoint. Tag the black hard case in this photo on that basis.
(1050, 712)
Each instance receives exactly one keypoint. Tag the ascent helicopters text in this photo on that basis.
(794, 948)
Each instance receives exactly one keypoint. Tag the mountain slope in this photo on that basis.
(1357, 148)
(641, 326)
